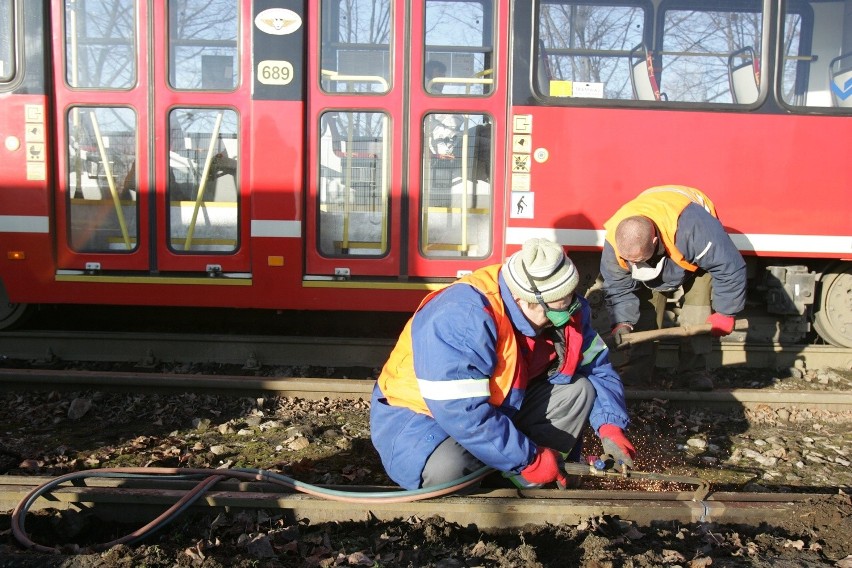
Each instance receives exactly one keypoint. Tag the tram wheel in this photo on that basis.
(11, 314)
(833, 317)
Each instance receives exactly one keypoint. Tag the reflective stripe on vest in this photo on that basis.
(398, 381)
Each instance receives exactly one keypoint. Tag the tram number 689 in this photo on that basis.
(272, 72)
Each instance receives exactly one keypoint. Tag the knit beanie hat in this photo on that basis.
(545, 264)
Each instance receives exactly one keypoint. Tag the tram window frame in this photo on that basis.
(454, 56)
(456, 191)
(216, 66)
(596, 95)
(757, 7)
(653, 38)
(107, 44)
(359, 142)
(8, 52)
(206, 164)
(805, 76)
(339, 58)
(107, 158)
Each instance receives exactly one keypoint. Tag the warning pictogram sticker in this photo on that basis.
(523, 205)
(522, 143)
(522, 124)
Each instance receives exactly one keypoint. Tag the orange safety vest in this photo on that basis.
(662, 205)
(398, 381)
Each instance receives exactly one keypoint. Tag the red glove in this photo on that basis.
(545, 468)
(616, 444)
(722, 324)
(619, 330)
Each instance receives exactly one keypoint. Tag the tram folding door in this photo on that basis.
(150, 97)
(405, 116)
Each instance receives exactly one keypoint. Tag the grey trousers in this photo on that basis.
(551, 415)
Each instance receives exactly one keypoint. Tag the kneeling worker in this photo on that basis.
(501, 368)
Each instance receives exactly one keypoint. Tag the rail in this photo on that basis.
(320, 388)
(139, 500)
(247, 349)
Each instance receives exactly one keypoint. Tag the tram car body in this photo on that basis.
(352, 155)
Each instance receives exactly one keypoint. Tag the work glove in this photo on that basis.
(619, 330)
(546, 467)
(617, 445)
(722, 324)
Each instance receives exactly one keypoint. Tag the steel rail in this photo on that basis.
(314, 388)
(146, 348)
(140, 500)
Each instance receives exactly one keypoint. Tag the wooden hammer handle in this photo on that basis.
(671, 332)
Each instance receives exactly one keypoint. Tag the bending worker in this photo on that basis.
(502, 369)
(667, 237)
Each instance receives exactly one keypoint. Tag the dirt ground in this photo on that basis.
(819, 536)
(327, 442)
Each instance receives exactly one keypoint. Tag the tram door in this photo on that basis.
(406, 114)
(149, 101)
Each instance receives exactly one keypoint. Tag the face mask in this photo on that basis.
(648, 270)
(560, 317)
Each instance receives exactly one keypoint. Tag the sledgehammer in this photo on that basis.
(684, 330)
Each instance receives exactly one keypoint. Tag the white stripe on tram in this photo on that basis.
(24, 224)
(276, 228)
(825, 244)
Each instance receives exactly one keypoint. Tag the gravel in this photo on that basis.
(327, 442)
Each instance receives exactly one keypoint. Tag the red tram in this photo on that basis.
(352, 154)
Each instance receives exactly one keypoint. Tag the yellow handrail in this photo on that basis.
(202, 184)
(335, 76)
(110, 181)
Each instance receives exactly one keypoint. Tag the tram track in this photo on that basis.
(249, 350)
(313, 388)
(138, 500)
(660, 432)
(346, 366)
(47, 363)
(147, 348)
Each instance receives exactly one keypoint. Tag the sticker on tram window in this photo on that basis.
(278, 21)
(272, 72)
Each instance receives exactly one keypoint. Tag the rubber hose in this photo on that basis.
(209, 478)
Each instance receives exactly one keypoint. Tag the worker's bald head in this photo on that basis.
(635, 238)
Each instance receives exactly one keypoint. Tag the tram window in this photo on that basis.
(583, 49)
(7, 29)
(353, 199)
(696, 51)
(100, 44)
(355, 46)
(456, 196)
(203, 189)
(817, 56)
(459, 47)
(203, 46)
(102, 183)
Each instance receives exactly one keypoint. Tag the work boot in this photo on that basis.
(700, 381)
(636, 376)
(639, 368)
